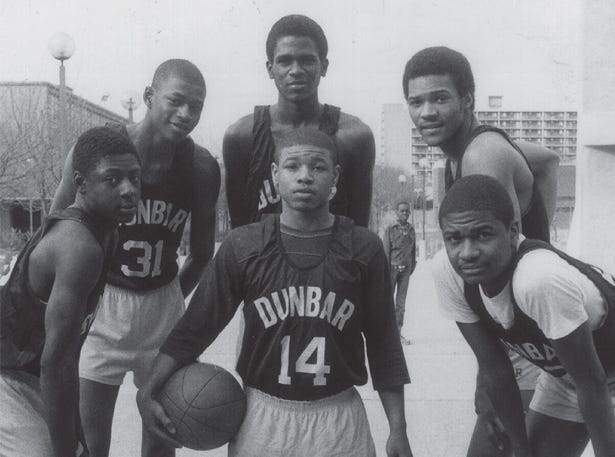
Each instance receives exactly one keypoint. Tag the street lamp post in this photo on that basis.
(423, 166)
(62, 47)
(402, 181)
(131, 101)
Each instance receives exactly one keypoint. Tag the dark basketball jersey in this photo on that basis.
(525, 338)
(304, 326)
(146, 256)
(22, 313)
(534, 221)
(261, 193)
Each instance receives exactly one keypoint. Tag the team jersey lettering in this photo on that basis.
(159, 212)
(304, 301)
(267, 195)
(544, 356)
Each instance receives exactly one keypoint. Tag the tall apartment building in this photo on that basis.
(557, 130)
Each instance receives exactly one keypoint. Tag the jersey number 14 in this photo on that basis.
(314, 350)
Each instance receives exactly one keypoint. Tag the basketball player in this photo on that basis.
(144, 296)
(552, 309)
(439, 87)
(50, 300)
(314, 285)
(296, 60)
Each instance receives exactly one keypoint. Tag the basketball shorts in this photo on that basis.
(557, 397)
(129, 328)
(526, 373)
(335, 426)
(23, 430)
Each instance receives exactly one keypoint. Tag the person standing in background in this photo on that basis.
(400, 248)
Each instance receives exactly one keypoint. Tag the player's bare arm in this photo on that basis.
(76, 272)
(393, 403)
(544, 163)
(205, 189)
(499, 381)
(65, 193)
(152, 413)
(489, 154)
(578, 355)
(236, 153)
(356, 143)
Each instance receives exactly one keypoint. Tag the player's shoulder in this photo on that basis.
(489, 145)
(351, 126)
(365, 243)
(70, 238)
(241, 129)
(541, 268)
(248, 240)
(204, 161)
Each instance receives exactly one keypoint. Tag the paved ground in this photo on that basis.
(438, 402)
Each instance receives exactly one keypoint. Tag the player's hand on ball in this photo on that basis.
(398, 445)
(155, 419)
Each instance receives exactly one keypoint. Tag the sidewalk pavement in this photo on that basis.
(439, 401)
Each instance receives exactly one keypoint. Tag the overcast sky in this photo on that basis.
(529, 51)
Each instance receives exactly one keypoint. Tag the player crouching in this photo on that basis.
(554, 310)
(50, 300)
(314, 287)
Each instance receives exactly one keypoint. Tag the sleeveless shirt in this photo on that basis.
(22, 313)
(260, 191)
(146, 257)
(535, 223)
(525, 338)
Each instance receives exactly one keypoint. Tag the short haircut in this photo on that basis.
(478, 193)
(181, 68)
(297, 25)
(306, 136)
(402, 202)
(98, 143)
(440, 60)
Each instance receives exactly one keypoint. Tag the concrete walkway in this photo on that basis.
(439, 402)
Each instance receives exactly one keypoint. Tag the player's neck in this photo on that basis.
(454, 147)
(297, 114)
(81, 203)
(148, 141)
(305, 221)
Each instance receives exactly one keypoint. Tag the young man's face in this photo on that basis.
(304, 176)
(112, 189)
(296, 67)
(436, 107)
(479, 246)
(175, 106)
(403, 212)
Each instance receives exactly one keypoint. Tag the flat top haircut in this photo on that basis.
(181, 68)
(297, 25)
(440, 60)
(305, 136)
(95, 144)
(403, 202)
(478, 193)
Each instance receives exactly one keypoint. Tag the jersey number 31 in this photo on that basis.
(314, 349)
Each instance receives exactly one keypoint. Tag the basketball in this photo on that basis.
(205, 403)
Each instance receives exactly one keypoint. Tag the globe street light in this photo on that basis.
(62, 47)
(402, 181)
(131, 101)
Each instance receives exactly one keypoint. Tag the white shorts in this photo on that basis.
(129, 328)
(335, 426)
(557, 397)
(23, 430)
(526, 373)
